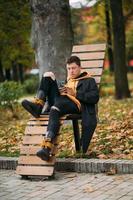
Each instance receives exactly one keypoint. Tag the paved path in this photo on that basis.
(66, 186)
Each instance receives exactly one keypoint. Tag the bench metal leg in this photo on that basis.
(76, 134)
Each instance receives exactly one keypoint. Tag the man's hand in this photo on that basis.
(67, 90)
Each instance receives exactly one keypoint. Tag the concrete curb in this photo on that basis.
(80, 165)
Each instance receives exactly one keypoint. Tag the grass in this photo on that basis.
(113, 137)
(10, 154)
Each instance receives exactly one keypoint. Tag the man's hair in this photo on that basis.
(74, 59)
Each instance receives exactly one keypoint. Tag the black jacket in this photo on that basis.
(88, 95)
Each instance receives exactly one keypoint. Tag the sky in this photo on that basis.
(78, 3)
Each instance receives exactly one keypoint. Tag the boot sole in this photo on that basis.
(43, 157)
(28, 108)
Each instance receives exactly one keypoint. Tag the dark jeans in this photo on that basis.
(62, 103)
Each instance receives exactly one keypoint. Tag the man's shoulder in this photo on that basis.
(88, 79)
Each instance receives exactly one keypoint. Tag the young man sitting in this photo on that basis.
(79, 95)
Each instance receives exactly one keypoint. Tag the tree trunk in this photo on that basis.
(51, 35)
(121, 82)
(109, 39)
(14, 71)
(21, 73)
(8, 74)
(2, 78)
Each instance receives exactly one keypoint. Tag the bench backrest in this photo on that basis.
(92, 58)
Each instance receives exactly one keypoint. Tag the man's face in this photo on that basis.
(73, 70)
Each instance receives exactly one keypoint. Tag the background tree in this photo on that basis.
(109, 36)
(15, 27)
(121, 82)
(2, 78)
(51, 35)
(89, 24)
(128, 18)
(78, 25)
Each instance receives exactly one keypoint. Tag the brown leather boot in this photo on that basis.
(45, 152)
(35, 107)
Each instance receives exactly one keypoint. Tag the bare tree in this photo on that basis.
(109, 38)
(121, 82)
(2, 78)
(51, 35)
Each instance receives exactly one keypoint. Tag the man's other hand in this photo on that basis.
(67, 90)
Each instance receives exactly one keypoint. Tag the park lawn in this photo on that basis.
(12, 130)
(113, 137)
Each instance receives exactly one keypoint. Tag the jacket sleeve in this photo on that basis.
(90, 93)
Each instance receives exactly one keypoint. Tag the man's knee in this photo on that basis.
(55, 108)
(49, 74)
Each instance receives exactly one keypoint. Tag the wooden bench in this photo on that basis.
(92, 61)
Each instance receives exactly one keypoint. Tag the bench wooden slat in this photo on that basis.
(37, 123)
(89, 47)
(41, 122)
(35, 130)
(90, 56)
(45, 118)
(92, 63)
(34, 160)
(31, 150)
(33, 139)
(35, 170)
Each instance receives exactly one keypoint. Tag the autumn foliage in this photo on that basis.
(113, 137)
